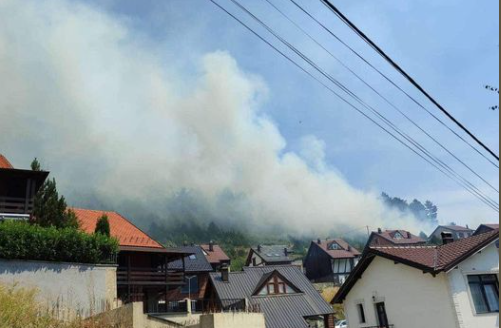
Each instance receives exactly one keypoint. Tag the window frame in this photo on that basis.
(362, 317)
(482, 284)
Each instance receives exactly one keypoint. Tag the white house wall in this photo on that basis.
(412, 299)
(486, 262)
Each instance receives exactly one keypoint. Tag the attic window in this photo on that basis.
(192, 257)
(398, 236)
(276, 286)
(334, 247)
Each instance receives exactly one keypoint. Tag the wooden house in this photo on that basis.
(330, 261)
(144, 266)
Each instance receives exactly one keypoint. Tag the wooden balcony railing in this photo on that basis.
(149, 277)
(13, 205)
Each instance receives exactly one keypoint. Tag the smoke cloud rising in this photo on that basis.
(121, 129)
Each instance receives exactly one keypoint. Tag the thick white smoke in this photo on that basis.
(96, 103)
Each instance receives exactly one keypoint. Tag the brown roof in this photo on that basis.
(216, 256)
(127, 233)
(430, 259)
(346, 252)
(4, 163)
(456, 228)
(408, 239)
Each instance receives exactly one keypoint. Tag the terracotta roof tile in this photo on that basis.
(216, 256)
(347, 251)
(4, 163)
(121, 228)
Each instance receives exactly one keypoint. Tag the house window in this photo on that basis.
(276, 286)
(485, 293)
(398, 236)
(334, 247)
(361, 313)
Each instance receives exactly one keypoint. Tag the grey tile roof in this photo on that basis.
(283, 311)
(273, 253)
(194, 263)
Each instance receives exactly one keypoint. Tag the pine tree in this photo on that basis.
(103, 226)
(50, 209)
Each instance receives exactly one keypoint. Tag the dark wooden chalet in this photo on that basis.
(144, 265)
(18, 189)
(330, 261)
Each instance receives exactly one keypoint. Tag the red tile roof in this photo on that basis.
(4, 163)
(121, 228)
(216, 256)
(345, 252)
(408, 239)
(437, 258)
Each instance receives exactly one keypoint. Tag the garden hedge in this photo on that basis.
(24, 241)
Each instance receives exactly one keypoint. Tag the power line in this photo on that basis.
(381, 95)
(465, 183)
(484, 199)
(373, 45)
(394, 83)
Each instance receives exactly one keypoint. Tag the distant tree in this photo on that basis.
(35, 165)
(423, 235)
(427, 212)
(418, 209)
(50, 209)
(431, 212)
(103, 226)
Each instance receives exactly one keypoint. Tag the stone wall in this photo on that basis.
(67, 289)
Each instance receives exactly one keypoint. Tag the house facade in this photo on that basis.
(143, 273)
(457, 232)
(330, 261)
(282, 293)
(394, 238)
(450, 286)
(197, 269)
(264, 255)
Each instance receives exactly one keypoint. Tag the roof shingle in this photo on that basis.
(346, 252)
(216, 256)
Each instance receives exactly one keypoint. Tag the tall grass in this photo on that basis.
(19, 309)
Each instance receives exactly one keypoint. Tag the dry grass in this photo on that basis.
(20, 309)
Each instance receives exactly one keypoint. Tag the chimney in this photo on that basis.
(409, 235)
(379, 230)
(225, 274)
(259, 248)
(319, 241)
(211, 246)
(286, 251)
(349, 248)
(447, 238)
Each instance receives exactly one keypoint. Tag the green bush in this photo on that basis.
(23, 241)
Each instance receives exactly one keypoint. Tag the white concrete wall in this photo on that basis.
(486, 262)
(66, 288)
(233, 320)
(412, 299)
(257, 259)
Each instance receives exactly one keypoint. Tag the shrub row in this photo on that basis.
(23, 241)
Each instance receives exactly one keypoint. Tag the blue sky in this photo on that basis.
(209, 108)
(450, 47)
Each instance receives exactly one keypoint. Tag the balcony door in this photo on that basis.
(382, 316)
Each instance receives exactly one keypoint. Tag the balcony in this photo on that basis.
(13, 205)
(149, 277)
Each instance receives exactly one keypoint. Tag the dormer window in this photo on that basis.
(275, 285)
(334, 247)
(398, 236)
